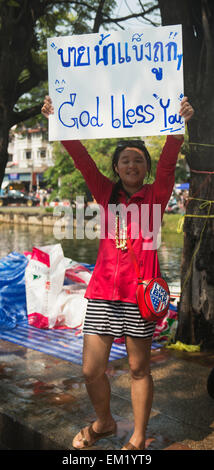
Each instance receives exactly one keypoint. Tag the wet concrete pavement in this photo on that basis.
(44, 403)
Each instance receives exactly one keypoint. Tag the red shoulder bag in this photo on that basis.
(153, 295)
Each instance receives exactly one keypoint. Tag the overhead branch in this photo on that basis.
(71, 3)
(98, 17)
(21, 116)
(128, 17)
(146, 12)
(37, 74)
(101, 16)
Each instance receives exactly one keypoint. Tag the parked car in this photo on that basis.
(17, 197)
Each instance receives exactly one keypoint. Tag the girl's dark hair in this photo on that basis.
(139, 144)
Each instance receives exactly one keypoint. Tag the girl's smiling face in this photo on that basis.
(132, 168)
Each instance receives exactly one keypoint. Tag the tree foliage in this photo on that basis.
(63, 178)
(24, 28)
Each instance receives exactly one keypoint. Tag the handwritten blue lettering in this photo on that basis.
(169, 119)
(128, 117)
(78, 56)
(171, 46)
(149, 57)
(60, 86)
(149, 114)
(105, 56)
(103, 37)
(138, 54)
(158, 73)
(158, 51)
(116, 123)
(68, 62)
(179, 57)
(137, 37)
(54, 46)
(81, 51)
(118, 53)
(111, 54)
(156, 96)
(84, 119)
(126, 114)
(127, 57)
(165, 108)
(139, 113)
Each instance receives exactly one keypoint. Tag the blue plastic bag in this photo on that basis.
(13, 307)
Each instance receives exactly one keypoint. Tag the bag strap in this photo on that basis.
(133, 257)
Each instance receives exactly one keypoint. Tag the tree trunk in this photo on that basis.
(196, 308)
(196, 317)
(17, 38)
(4, 139)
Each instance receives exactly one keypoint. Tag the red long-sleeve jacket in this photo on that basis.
(114, 276)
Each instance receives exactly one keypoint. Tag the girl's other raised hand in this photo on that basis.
(47, 107)
(186, 110)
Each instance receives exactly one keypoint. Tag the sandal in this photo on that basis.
(94, 436)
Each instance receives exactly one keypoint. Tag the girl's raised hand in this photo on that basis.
(47, 107)
(186, 110)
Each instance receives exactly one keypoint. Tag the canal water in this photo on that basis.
(22, 238)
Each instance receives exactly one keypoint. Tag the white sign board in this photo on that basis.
(116, 84)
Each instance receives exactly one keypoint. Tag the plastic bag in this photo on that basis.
(13, 307)
(71, 308)
(44, 278)
(76, 272)
(165, 329)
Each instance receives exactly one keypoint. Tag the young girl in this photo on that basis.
(112, 307)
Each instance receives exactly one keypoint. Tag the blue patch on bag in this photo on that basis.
(159, 297)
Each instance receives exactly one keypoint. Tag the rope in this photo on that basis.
(201, 145)
(203, 172)
(204, 204)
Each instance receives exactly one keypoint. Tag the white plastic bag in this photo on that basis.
(71, 308)
(44, 278)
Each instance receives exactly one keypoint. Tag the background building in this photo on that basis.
(30, 154)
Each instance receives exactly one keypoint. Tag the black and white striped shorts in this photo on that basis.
(116, 318)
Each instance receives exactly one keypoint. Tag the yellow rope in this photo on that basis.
(205, 203)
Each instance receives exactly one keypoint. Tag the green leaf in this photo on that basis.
(13, 3)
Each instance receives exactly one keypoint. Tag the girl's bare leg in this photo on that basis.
(95, 359)
(139, 351)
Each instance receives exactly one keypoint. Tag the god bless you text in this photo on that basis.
(121, 114)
